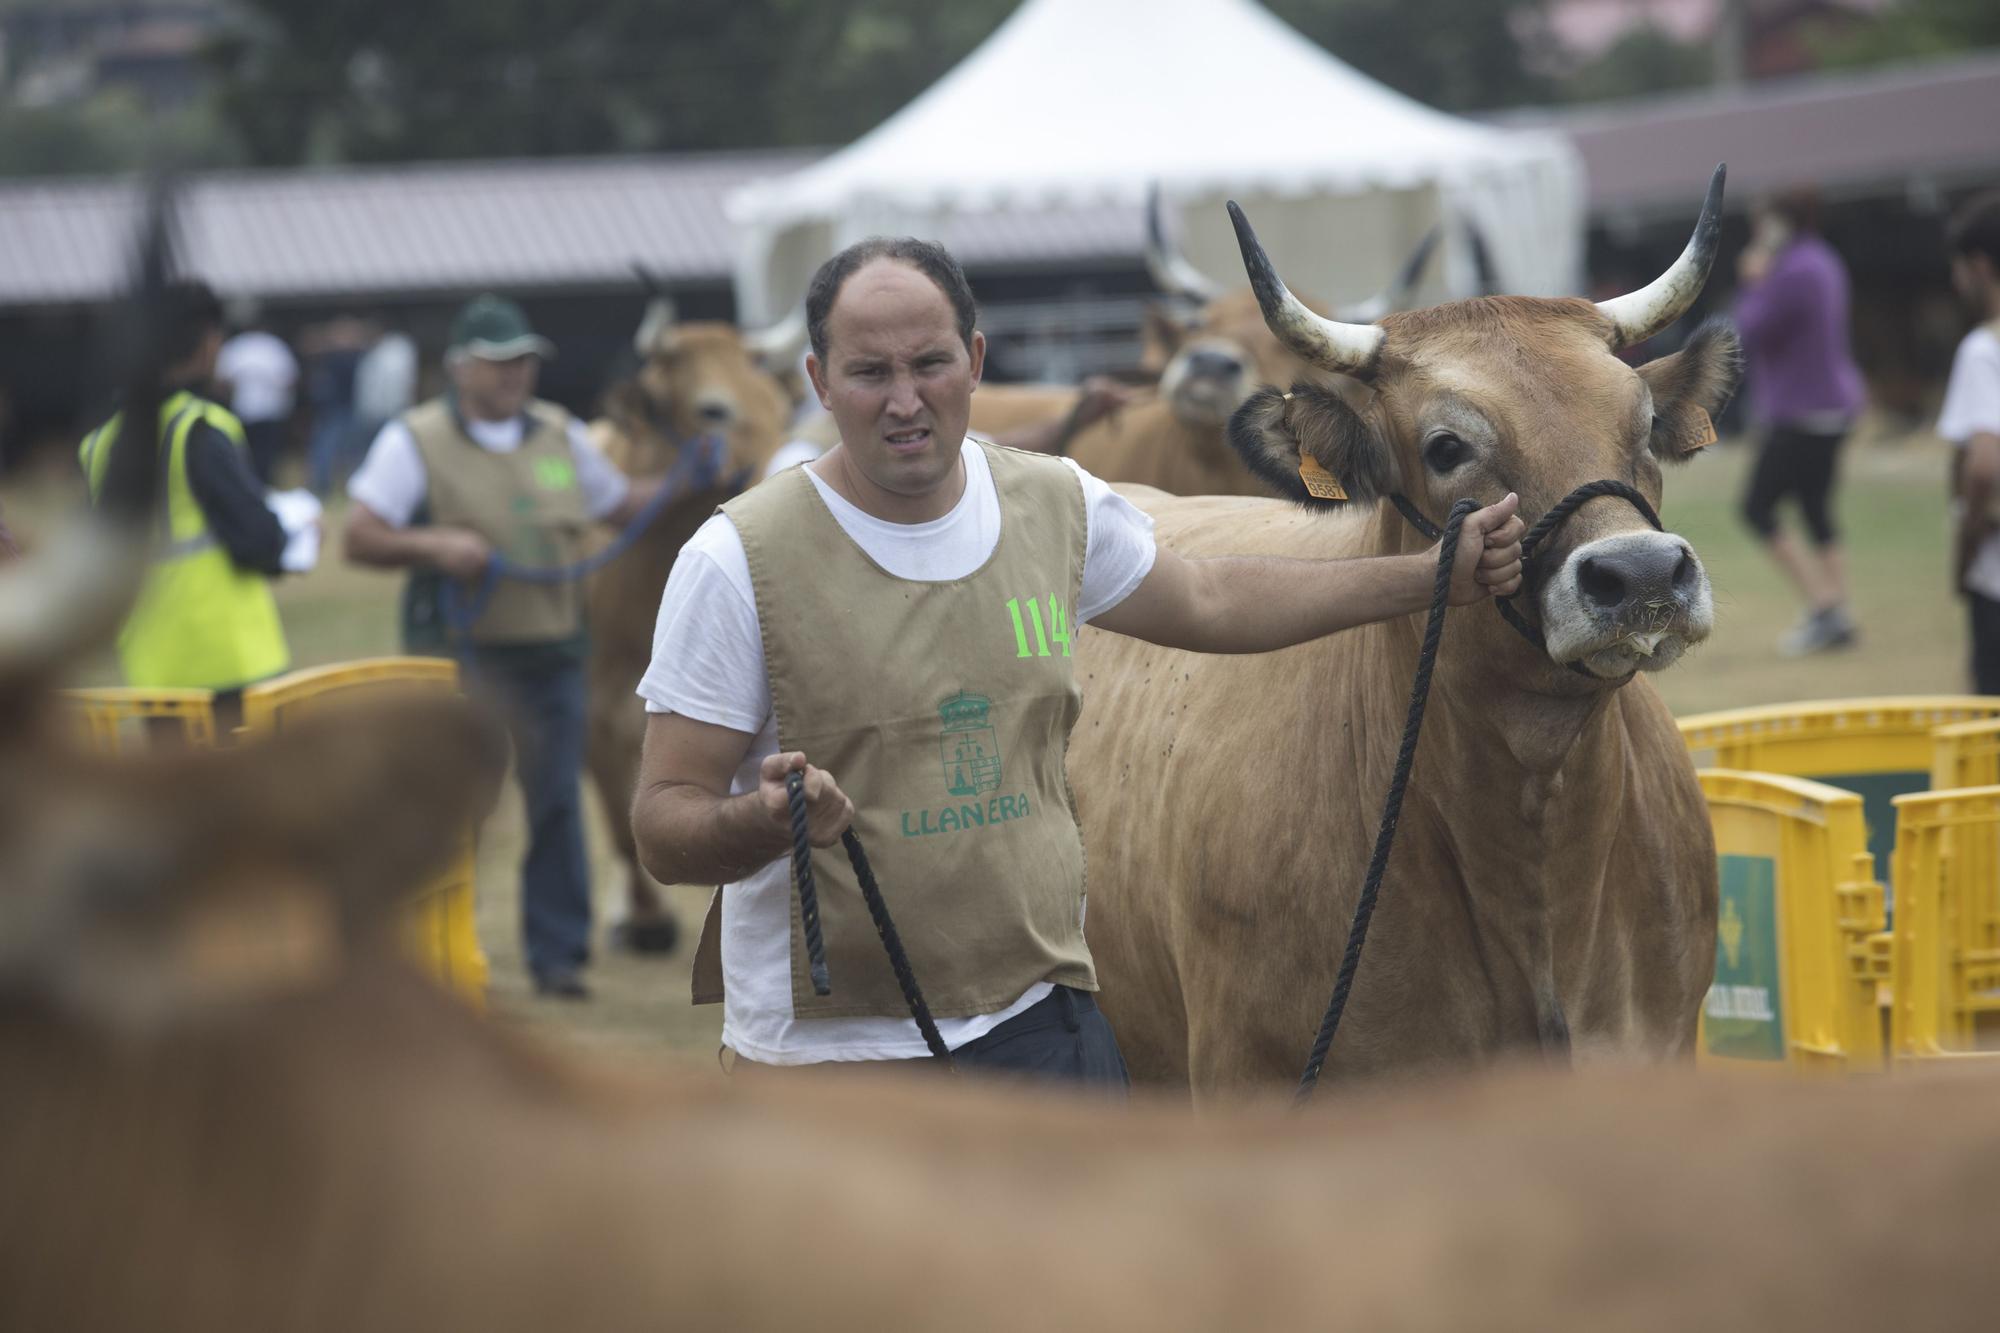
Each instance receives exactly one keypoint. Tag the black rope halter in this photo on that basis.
(1413, 722)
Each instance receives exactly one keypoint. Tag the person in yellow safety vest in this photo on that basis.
(205, 618)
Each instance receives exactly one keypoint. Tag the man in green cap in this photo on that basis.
(489, 470)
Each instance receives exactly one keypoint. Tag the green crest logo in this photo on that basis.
(969, 747)
(555, 474)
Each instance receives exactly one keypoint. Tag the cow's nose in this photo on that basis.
(1637, 575)
(714, 414)
(1214, 365)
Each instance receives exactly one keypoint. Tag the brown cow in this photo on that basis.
(1554, 879)
(314, 1139)
(695, 380)
(1209, 363)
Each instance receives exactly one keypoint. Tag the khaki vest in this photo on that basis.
(526, 502)
(944, 711)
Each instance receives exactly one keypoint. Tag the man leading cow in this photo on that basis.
(895, 621)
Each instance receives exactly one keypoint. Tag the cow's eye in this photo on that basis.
(1445, 451)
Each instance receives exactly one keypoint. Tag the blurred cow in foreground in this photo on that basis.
(708, 407)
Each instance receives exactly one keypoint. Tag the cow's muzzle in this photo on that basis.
(1635, 601)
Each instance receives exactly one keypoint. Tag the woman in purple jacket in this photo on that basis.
(1806, 391)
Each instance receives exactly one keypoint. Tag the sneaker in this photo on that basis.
(561, 985)
(1820, 632)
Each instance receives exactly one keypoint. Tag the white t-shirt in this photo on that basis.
(262, 374)
(392, 482)
(385, 379)
(708, 664)
(1972, 407)
(791, 454)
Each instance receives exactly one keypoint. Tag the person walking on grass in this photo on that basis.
(1970, 420)
(1805, 392)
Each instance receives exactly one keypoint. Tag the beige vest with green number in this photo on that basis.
(944, 711)
(526, 502)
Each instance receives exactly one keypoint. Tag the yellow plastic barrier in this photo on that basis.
(1946, 951)
(439, 927)
(112, 717)
(1794, 982)
(1966, 754)
(1877, 748)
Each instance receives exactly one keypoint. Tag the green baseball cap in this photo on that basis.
(493, 328)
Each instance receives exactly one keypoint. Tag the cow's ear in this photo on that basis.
(1162, 330)
(1310, 445)
(1690, 388)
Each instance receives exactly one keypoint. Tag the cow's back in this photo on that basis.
(1147, 444)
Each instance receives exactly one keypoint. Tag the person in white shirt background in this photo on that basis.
(259, 376)
(1970, 420)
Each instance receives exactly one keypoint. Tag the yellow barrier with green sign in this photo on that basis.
(438, 927)
(1877, 748)
(1946, 950)
(1793, 983)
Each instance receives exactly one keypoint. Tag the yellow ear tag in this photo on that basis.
(1705, 427)
(1320, 484)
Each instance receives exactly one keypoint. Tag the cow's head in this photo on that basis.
(1211, 346)
(1477, 398)
(703, 379)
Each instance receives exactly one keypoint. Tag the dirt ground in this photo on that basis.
(1913, 642)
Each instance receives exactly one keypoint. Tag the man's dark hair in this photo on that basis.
(193, 312)
(927, 257)
(1799, 206)
(1975, 228)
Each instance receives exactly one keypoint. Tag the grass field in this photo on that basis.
(1913, 642)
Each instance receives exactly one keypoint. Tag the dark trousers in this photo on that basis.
(1985, 643)
(1061, 1038)
(544, 708)
(266, 441)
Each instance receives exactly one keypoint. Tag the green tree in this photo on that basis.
(1912, 30)
(385, 79)
(1458, 55)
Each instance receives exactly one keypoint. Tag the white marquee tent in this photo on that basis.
(1077, 103)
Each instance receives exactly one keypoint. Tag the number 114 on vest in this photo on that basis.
(1055, 629)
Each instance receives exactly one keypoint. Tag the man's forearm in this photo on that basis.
(687, 835)
(1251, 604)
(393, 548)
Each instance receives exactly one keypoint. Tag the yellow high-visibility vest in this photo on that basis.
(199, 622)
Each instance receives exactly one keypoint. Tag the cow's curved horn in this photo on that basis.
(1396, 295)
(1169, 268)
(1639, 315)
(659, 317)
(1331, 344)
(778, 346)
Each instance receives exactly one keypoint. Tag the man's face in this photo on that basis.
(896, 377)
(495, 390)
(1972, 277)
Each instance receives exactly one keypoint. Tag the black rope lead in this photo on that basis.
(1392, 807)
(892, 944)
(878, 912)
(802, 875)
